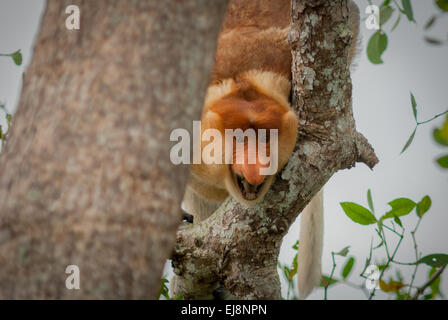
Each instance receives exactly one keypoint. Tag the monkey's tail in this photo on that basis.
(310, 245)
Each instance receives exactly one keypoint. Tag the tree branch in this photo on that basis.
(428, 283)
(238, 247)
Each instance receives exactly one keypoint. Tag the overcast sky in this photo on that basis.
(383, 114)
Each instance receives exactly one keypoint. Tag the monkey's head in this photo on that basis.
(259, 135)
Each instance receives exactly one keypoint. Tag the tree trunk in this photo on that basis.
(239, 247)
(86, 176)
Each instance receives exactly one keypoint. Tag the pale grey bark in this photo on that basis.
(86, 177)
(239, 247)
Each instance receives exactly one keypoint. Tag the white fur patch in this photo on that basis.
(271, 84)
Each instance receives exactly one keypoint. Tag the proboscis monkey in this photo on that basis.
(250, 89)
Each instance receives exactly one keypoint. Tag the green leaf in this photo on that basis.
(385, 14)
(17, 57)
(325, 281)
(407, 8)
(443, 161)
(290, 273)
(376, 46)
(294, 264)
(438, 137)
(367, 263)
(358, 213)
(348, 267)
(1, 133)
(343, 252)
(442, 4)
(396, 23)
(379, 245)
(400, 207)
(414, 106)
(427, 296)
(435, 260)
(435, 286)
(398, 221)
(283, 268)
(408, 143)
(296, 245)
(370, 201)
(444, 129)
(382, 266)
(163, 291)
(423, 206)
(287, 273)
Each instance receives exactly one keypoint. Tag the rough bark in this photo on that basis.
(238, 247)
(86, 178)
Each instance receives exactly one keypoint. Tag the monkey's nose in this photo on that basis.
(250, 172)
(252, 175)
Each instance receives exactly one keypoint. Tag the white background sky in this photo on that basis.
(383, 114)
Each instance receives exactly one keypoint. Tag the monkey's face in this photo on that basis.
(262, 140)
(253, 167)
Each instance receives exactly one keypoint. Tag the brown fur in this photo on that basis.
(250, 48)
(250, 88)
(257, 102)
(262, 14)
(253, 37)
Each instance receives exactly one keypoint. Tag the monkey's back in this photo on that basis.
(253, 37)
(263, 14)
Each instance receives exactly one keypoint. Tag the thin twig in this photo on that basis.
(398, 6)
(382, 236)
(404, 263)
(427, 284)
(416, 255)
(356, 286)
(331, 277)
(391, 230)
(372, 294)
(368, 260)
(435, 117)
